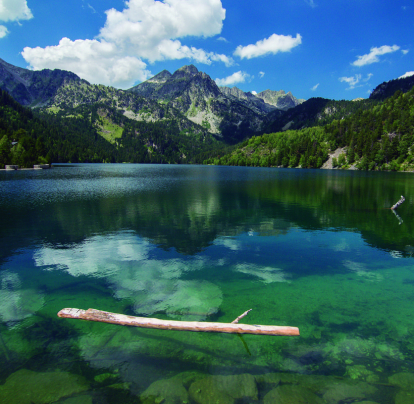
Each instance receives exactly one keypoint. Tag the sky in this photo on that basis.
(336, 49)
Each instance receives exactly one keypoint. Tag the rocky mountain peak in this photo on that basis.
(185, 72)
(34, 88)
(280, 99)
(190, 69)
(160, 78)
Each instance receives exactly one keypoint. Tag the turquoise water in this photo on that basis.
(316, 249)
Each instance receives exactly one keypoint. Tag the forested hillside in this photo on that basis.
(93, 133)
(377, 138)
(314, 112)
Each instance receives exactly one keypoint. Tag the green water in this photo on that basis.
(308, 248)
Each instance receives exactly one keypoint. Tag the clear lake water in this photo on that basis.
(315, 249)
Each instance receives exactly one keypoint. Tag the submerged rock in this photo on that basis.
(360, 372)
(83, 399)
(268, 378)
(187, 378)
(224, 389)
(104, 377)
(28, 387)
(404, 380)
(365, 402)
(165, 391)
(290, 394)
(404, 397)
(348, 391)
(316, 383)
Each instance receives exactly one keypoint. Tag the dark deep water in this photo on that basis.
(317, 249)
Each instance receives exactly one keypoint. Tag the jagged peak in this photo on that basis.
(280, 92)
(188, 69)
(161, 77)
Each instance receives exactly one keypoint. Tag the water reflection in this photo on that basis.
(17, 303)
(189, 208)
(128, 265)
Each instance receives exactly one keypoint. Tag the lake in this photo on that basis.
(315, 249)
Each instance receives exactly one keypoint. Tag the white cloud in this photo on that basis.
(3, 31)
(368, 77)
(14, 10)
(95, 61)
(352, 81)
(261, 74)
(273, 44)
(315, 87)
(93, 10)
(145, 24)
(372, 56)
(144, 30)
(356, 81)
(408, 74)
(310, 3)
(221, 58)
(221, 38)
(254, 92)
(238, 77)
(405, 51)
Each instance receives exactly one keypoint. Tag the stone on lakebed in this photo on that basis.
(28, 387)
(292, 394)
(224, 389)
(404, 380)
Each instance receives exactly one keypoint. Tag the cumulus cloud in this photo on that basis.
(254, 92)
(14, 10)
(143, 30)
(315, 87)
(238, 77)
(261, 74)
(372, 56)
(272, 45)
(352, 81)
(228, 61)
(3, 31)
(95, 61)
(405, 51)
(408, 74)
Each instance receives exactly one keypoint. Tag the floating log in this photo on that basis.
(144, 322)
(398, 203)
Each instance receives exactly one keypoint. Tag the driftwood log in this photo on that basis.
(144, 322)
(402, 199)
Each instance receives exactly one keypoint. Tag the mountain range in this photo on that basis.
(189, 96)
(180, 117)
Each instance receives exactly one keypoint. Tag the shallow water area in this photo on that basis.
(316, 249)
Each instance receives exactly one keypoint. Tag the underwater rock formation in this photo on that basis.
(40, 388)
(224, 389)
(289, 394)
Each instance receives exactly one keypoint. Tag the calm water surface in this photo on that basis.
(308, 248)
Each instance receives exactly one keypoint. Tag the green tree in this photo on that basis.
(5, 155)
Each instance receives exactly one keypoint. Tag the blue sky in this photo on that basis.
(339, 49)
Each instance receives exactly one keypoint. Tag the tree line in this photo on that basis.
(380, 137)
